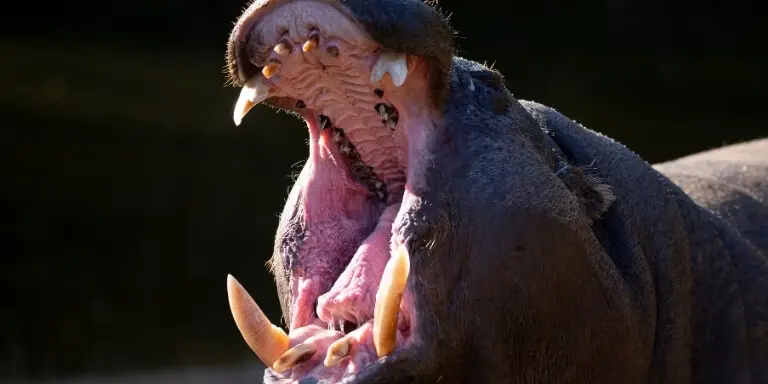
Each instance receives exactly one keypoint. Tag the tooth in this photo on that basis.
(395, 64)
(311, 44)
(337, 351)
(388, 298)
(293, 356)
(391, 124)
(323, 122)
(337, 136)
(270, 69)
(283, 48)
(383, 112)
(266, 340)
(254, 92)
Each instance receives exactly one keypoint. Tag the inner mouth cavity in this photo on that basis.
(362, 105)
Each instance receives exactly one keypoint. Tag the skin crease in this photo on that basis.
(543, 252)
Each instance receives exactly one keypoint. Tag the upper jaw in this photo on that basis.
(239, 68)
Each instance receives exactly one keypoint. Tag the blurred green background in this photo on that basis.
(127, 194)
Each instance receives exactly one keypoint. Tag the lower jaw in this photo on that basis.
(362, 356)
(337, 356)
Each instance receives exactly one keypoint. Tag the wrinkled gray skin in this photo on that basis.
(543, 252)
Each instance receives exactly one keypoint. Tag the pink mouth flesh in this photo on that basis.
(366, 140)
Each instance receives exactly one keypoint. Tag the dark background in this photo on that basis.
(127, 194)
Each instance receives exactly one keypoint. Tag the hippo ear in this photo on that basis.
(596, 196)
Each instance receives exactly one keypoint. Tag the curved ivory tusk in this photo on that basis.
(267, 340)
(388, 302)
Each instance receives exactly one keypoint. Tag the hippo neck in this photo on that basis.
(667, 248)
(643, 233)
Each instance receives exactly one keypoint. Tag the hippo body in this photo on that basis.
(702, 221)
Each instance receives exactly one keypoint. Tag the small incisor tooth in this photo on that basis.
(283, 48)
(337, 351)
(311, 44)
(395, 64)
(293, 356)
(254, 92)
(267, 340)
(270, 69)
(388, 296)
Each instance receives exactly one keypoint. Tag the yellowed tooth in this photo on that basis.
(388, 298)
(337, 351)
(293, 356)
(283, 48)
(254, 92)
(270, 69)
(311, 44)
(267, 340)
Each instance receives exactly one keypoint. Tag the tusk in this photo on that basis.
(254, 92)
(388, 301)
(267, 340)
(293, 356)
(337, 351)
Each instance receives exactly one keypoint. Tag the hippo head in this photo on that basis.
(436, 232)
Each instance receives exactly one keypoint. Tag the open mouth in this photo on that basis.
(342, 253)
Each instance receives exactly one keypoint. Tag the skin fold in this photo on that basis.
(543, 252)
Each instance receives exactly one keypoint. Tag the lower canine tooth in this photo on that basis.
(388, 297)
(293, 356)
(395, 64)
(254, 92)
(268, 341)
(337, 351)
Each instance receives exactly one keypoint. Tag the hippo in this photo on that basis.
(443, 231)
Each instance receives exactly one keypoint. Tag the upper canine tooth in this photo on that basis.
(267, 340)
(254, 92)
(388, 296)
(394, 63)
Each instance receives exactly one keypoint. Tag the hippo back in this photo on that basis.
(732, 182)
